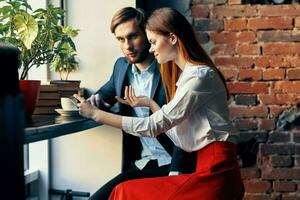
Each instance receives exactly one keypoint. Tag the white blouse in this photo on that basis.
(196, 116)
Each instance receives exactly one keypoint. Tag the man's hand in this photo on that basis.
(132, 100)
(97, 100)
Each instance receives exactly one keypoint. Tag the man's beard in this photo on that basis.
(141, 57)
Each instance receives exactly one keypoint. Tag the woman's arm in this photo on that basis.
(86, 109)
(153, 106)
(107, 118)
(185, 102)
(132, 100)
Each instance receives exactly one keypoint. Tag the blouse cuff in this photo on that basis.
(127, 124)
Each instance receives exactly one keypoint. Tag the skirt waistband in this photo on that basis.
(216, 153)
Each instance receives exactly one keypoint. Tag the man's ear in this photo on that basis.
(173, 38)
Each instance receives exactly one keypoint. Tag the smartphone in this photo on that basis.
(74, 100)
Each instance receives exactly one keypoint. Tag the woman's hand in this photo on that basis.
(86, 109)
(132, 100)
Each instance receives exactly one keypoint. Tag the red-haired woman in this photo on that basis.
(196, 118)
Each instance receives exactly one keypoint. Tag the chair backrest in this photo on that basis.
(11, 126)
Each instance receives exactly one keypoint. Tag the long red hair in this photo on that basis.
(165, 21)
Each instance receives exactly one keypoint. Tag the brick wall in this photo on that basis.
(257, 49)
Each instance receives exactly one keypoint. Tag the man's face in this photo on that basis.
(133, 41)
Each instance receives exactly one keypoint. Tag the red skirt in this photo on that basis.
(217, 177)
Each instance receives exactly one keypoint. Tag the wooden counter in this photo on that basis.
(42, 127)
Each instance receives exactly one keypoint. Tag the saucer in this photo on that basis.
(73, 113)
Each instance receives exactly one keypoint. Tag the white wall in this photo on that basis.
(86, 160)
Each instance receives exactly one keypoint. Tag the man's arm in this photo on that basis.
(104, 97)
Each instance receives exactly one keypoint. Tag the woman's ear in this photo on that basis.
(173, 38)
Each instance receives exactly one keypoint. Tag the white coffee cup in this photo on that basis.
(67, 104)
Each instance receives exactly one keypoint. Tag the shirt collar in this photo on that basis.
(149, 69)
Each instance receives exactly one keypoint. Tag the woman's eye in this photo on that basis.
(152, 42)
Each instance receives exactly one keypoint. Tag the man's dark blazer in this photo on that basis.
(181, 161)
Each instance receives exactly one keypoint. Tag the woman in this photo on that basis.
(196, 118)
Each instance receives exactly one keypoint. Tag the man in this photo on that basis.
(142, 157)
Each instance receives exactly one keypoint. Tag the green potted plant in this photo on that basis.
(65, 61)
(37, 34)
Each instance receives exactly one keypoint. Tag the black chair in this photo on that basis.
(11, 126)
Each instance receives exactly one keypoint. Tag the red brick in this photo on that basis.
(284, 186)
(274, 74)
(267, 99)
(238, 62)
(280, 61)
(235, 24)
(246, 124)
(245, 111)
(223, 37)
(250, 74)
(291, 196)
(229, 74)
(276, 110)
(287, 86)
(297, 22)
(270, 23)
(294, 61)
(250, 88)
(257, 186)
(271, 61)
(278, 99)
(248, 49)
(287, 99)
(223, 49)
(257, 197)
(267, 124)
(281, 49)
(263, 62)
(281, 10)
(280, 173)
(293, 74)
(200, 11)
(250, 173)
(233, 37)
(234, 11)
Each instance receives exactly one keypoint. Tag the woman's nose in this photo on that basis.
(151, 50)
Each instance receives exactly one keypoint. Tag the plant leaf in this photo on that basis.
(27, 28)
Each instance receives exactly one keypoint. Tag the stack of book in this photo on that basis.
(66, 88)
(49, 100)
(50, 94)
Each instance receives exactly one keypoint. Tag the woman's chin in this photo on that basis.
(160, 61)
